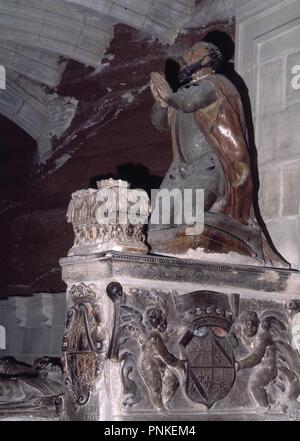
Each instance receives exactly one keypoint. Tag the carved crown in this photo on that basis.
(209, 316)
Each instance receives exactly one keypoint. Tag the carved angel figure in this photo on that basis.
(275, 378)
(155, 359)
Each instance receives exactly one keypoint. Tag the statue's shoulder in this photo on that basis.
(222, 82)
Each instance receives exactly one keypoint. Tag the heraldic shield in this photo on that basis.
(83, 344)
(211, 364)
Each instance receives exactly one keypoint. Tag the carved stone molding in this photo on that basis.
(158, 268)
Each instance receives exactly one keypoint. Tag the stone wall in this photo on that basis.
(34, 326)
(268, 58)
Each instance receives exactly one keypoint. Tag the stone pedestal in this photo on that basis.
(106, 219)
(152, 337)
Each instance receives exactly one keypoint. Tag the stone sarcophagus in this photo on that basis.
(154, 337)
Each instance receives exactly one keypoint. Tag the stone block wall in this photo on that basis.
(34, 326)
(268, 59)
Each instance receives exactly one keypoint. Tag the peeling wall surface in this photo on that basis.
(38, 36)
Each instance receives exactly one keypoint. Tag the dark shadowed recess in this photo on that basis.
(17, 154)
(137, 175)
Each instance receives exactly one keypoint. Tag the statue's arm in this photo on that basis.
(165, 355)
(258, 352)
(190, 98)
(159, 117)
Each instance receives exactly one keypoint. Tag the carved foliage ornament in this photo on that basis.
(84, 344)
(105, 218)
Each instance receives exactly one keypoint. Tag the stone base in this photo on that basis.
(159, 338)
(221, 237)
(119, 246)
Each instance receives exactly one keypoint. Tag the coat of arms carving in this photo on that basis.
(177, 351)
(84, 344)
(208, 345)
(211, 365)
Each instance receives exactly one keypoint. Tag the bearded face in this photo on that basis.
(202, 55)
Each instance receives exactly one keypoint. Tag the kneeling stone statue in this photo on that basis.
(211, 152)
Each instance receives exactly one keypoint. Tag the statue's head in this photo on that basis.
(156, 318)
(250, 323)
(202, 56)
